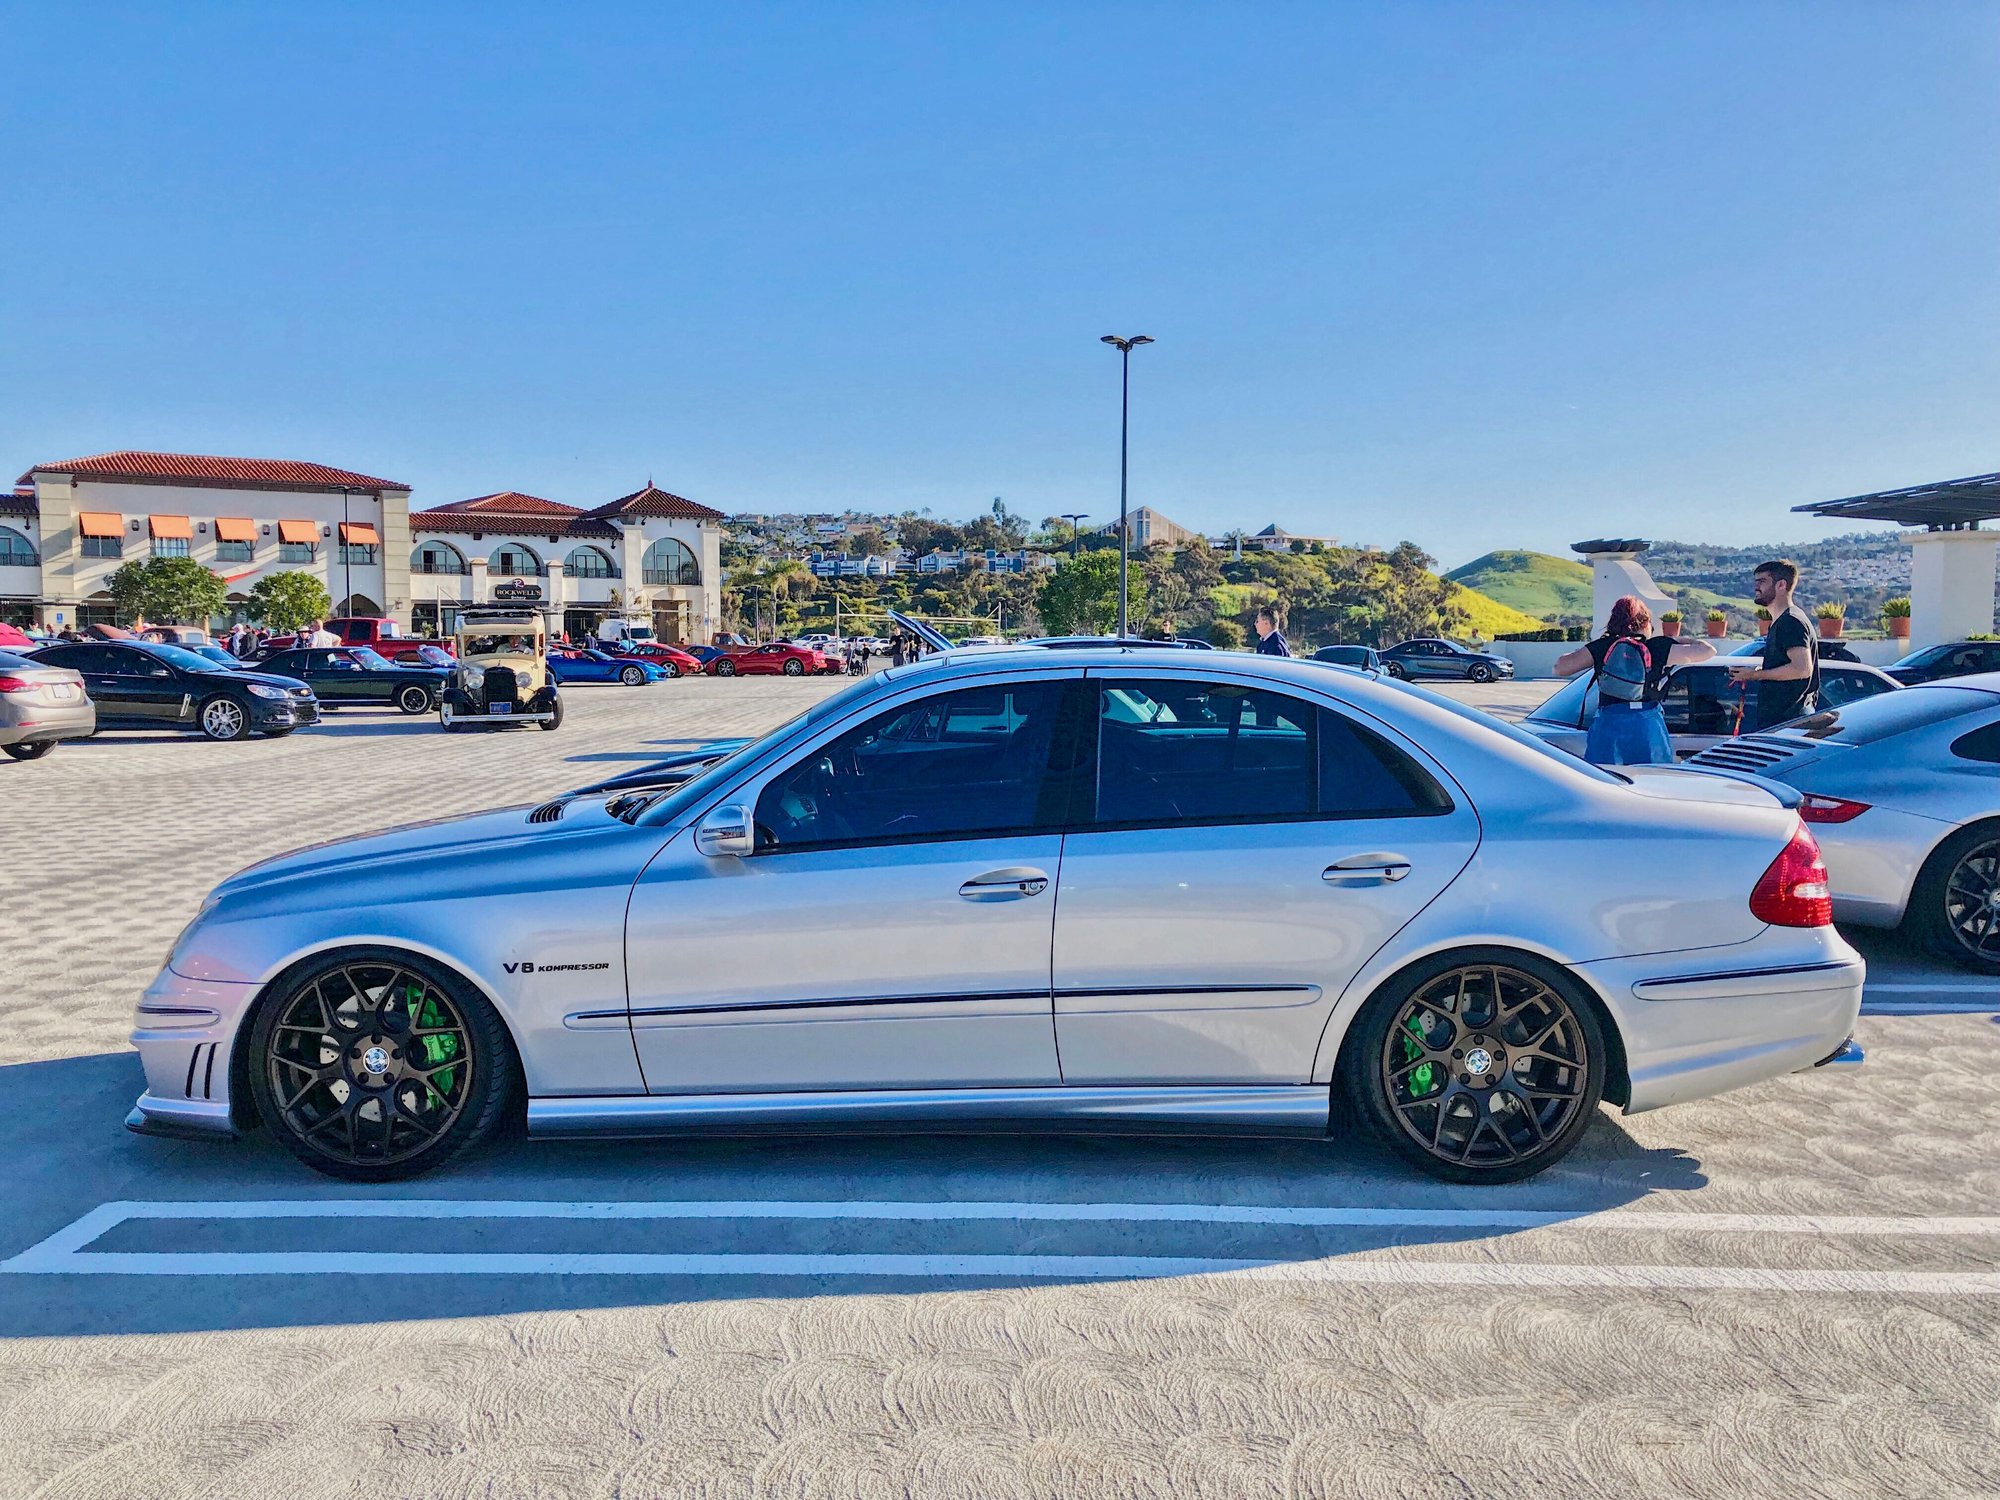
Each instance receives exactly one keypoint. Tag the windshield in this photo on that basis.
(1568, 705)
(372, 659)
(1921, 658)
(1501, 727)
(1870, 719)
(670, 805)
(519, 644)
(186, 660)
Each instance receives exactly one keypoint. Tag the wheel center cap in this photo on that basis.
(376, 1060)
(1479, 1062)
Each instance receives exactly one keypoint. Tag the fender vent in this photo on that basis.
(549, 812)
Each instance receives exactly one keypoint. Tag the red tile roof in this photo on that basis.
(445, 521)
(655, 503)
(20, 503)
(507, 502)
(265, 473)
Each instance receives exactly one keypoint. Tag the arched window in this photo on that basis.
(590, 562)
(516, 561)
(437, 557)
(16, 551)
(669, 561)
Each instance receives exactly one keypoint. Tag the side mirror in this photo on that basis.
(727, 832)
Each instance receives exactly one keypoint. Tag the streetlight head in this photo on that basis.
(1141, 339)
(1112, 339)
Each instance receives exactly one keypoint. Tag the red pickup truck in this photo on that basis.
(383, 634)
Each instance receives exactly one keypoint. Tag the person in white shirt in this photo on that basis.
(317, 634)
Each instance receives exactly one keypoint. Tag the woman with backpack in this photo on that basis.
(1630, 667)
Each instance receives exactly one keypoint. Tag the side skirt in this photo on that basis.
(1290, 1110)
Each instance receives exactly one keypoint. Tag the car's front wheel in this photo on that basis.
(1395, 670)
(372, 1066)
(413, 699)
(631, 676)
(1480, 672)
(1954, 909)
(29, 752)
(1476, 1067)
(223, 718)
(725, 668)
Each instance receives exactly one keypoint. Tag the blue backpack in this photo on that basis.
(1622, 678)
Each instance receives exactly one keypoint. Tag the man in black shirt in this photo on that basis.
(1788, 678)
(1270, 640)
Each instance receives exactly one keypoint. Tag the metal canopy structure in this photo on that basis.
(1953, 505)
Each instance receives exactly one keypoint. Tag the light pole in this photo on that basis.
(1075, 518)
(1124, 347)
(346, 566)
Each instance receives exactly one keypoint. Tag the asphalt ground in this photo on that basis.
(1790, 1291)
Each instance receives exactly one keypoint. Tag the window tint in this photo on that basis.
(1837, 688)
(84, 658)
(1362, 775)
(1182, 750)
(1572, 704)
(1981, 745)
(1714, 704)
(954, 765)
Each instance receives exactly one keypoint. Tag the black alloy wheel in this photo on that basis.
(631, 676)
(1395, 669)
(373, 1066)
(30, 752)
(794, 667)
(1955, 904)
(413, 698)
(222, 718)
(1480, 673)
(1477, 1069)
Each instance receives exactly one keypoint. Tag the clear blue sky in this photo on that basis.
(1480, 275)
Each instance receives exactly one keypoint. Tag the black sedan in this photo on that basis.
(1953, 659)
(356, 676)
(1428, 656)
(143, 685)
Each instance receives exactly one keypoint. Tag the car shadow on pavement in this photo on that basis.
(61, 1129)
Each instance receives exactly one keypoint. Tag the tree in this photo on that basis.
(1198, 566)
(169, 590)
(1081, 596)
(1225, 635)
(289, 601)
(1413, 600)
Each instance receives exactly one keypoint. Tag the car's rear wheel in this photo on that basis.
(1477, 1067)
(29, 752)
(1955, 904)
(223, 718)
(794, 667)
(631, 676)
(413, 699)
(372, 1066)
(1395, 669)
(1480, 673)
(725, 668)
(672, 669)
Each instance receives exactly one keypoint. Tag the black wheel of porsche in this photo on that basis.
(372, 1066)
(29, 752)
(631, 676)
(1477, 1068)
(1954, 909)
(794, 667)
(412, 698)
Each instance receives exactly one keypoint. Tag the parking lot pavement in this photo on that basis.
(1791, 1291)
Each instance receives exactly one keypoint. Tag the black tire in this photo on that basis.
(794, 667)
(671, 669)
(1480, 672)
(1951, 903)
(345, 1003)
(554, 721)
(222, 718)
(1396, 671)
(632, 676)
(1532, 1026)
(29, 752)
(725, 668)
(448, 717)
(413, 698)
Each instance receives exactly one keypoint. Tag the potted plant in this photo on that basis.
(1717, 623)
(1670, 622)
(1763, 616)
(1896, 618)
(1830, 616)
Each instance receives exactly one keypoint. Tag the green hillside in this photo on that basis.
(1534, 583)
(1490, 618)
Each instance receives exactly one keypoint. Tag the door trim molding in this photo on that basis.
(1289, 1109)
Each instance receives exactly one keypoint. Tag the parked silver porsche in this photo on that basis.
(1027, 888)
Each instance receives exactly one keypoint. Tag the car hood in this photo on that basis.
(270, 679)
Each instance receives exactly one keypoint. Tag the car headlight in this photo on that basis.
(264, 691)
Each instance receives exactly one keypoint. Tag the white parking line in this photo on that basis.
(65, 1252)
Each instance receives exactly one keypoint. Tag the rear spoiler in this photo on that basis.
(1787, 795)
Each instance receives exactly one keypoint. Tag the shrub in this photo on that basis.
(1896, 609)
(1225, 635)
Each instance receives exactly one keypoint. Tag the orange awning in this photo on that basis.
(100, 523)
(232, 529)
(174, 528)
(359, 534)
(298, 531)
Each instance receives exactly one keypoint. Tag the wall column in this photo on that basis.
(1951, 585)
(478, 566)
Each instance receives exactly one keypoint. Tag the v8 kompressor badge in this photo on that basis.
(532, 968)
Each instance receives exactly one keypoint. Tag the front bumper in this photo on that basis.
(283, 713)
(185, 1031)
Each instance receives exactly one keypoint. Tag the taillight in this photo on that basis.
(17, 685)
(1818, 809)
(1794, 891)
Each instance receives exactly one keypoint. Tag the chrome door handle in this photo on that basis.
(1004, 885)
(1366, 869)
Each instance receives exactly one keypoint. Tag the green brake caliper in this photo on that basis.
(1423, 1077)
(440, 1046)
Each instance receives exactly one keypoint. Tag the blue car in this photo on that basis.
(594, 666)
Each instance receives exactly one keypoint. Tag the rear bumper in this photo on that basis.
(1699, 1024)
(1872, 862)
(32, 724)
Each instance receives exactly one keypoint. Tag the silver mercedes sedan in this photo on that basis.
(1023, 888)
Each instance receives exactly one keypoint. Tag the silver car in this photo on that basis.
(41, 706)
(1028, 888)
(1903, 792)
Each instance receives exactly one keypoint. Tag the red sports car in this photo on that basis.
(670, 659)
(778, 656)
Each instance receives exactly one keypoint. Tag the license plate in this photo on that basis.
(63, 691)
(499, 708)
